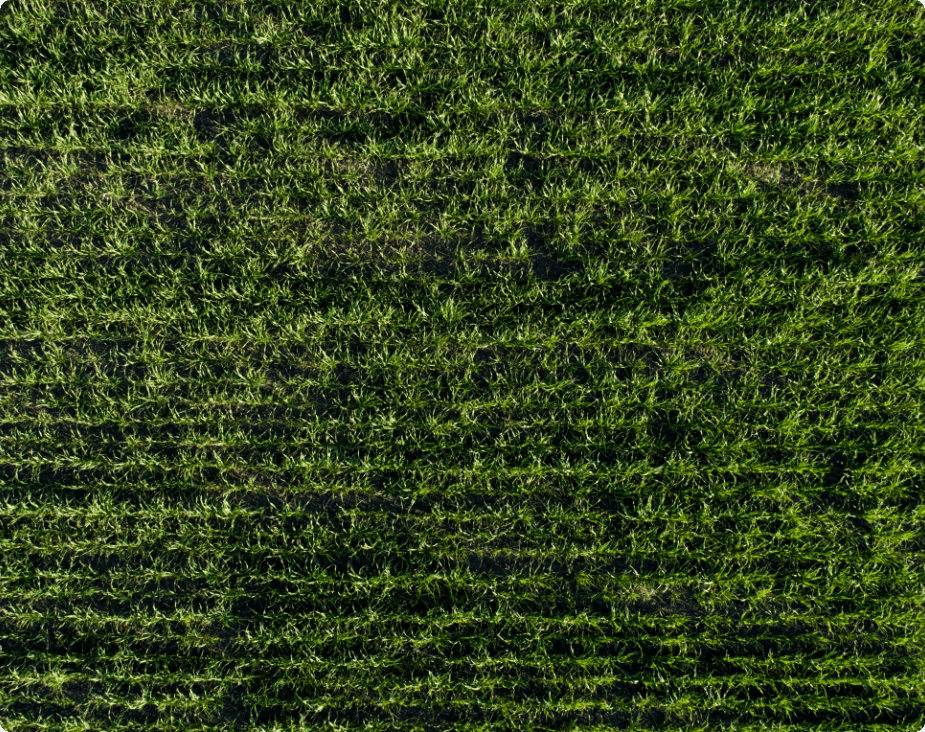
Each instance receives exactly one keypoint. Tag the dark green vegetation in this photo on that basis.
(462, 366)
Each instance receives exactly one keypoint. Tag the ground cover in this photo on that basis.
(461, 366)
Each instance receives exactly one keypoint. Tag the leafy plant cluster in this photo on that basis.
(461, 366)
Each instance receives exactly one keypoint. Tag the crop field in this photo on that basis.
(453, 365)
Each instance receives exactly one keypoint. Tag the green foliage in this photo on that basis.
(461, 366)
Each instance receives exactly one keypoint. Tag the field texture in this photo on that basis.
(519, 365)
